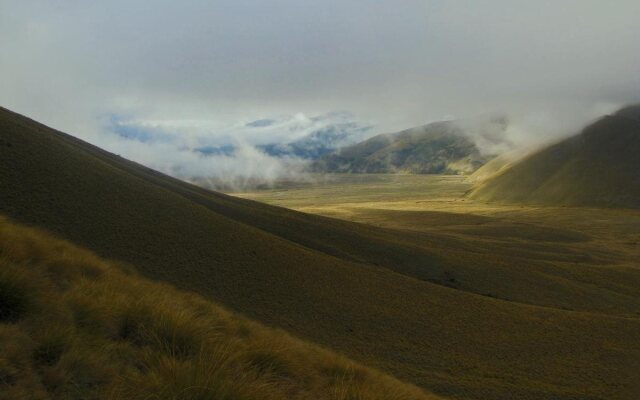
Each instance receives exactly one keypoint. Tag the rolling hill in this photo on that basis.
(437, 148)
(496, 165)
(598, 167)
(74, 326)
(457, 318)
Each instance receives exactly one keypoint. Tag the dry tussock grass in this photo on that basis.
(73, 326)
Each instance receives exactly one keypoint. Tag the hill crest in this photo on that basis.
(598, 167)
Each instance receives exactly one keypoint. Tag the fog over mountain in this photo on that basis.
(149, 79)
(232, 155)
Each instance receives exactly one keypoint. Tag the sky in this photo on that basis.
(200, 73)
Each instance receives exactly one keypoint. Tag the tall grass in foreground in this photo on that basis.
(73, 326)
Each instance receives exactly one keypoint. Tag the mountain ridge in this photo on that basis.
(597, 167)
(438, 148)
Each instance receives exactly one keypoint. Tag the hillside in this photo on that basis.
(74, 326)
(438, 148)
(497, 165)
(452, 316)
(599, 167)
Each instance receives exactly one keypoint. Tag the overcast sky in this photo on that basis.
(390, 64)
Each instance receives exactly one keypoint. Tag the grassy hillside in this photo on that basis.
(73, 326)
(497, 165)
(438, 148)
(598, 167)
(464, 319)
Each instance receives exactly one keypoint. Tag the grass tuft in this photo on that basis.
(53, 344)
(15, 300)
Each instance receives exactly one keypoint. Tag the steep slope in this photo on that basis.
(74, 326)
(497, 165)
(599, 167)
(364, 291)
(438, 148)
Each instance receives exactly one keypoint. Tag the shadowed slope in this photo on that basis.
(599, 167)
(316, 276)
(74, 326)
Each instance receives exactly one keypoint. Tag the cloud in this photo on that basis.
(201, 66)
(246, 168)
(229, 156)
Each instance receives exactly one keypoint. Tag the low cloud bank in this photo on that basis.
(232, 157)
(274, 150)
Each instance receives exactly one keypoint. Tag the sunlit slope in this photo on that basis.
(598, 167)
(497, 165)
(438, 148)
(318, 277)
(74, 326)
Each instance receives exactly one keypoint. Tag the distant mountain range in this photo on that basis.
(312, 146)
(439, 148)
(598, 167)
(447, 147)
(317, 143)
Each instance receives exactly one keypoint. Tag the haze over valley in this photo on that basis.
(341, 200)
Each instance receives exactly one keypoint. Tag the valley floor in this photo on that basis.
(436, 203)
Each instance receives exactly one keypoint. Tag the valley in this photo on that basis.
(285, 200)
(429, 203)
(401, 273)
(554, 253)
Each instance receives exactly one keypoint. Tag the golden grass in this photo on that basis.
(597, 168)
(73, 326)
(444, 301)
(589, 253)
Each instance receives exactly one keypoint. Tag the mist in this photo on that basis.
(197, 74)
(234, 156)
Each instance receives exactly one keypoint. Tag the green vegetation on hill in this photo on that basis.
(467, 319)
(73, 326)
(438, 148)
(599, 167)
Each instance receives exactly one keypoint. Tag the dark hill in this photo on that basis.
(76, 327)
(632, 111)
(599, 167)
(438, 148)
(431, 309)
